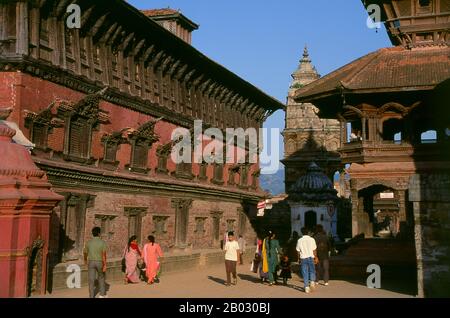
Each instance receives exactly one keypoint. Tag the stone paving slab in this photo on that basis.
(209, 283)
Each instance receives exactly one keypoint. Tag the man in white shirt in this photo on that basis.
(232, 256)
(306, 246)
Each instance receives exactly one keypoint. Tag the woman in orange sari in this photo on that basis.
(152, 251)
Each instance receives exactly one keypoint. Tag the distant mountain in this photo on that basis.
(273, 183)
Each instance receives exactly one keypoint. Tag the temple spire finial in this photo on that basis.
(305, 55)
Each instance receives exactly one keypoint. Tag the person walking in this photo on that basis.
(291, 250)
(132, 255)
(306, 246)
(232, 256)
(323, 254)
(261, 259)
(152, 253)
(95, 259)
(242, 245)
(272, 250)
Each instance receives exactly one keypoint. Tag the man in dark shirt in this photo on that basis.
(323, 254)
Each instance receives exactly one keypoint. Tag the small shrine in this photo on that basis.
(313, 201)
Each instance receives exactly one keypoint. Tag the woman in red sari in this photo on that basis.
(152, 251)
(132, 254)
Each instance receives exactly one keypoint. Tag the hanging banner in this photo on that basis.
(261, 205)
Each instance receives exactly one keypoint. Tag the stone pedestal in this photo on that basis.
(26, 202)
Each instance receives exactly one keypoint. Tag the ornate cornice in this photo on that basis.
(65, 178)
(146, 132)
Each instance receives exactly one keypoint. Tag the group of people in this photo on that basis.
(143, 265)
(312, 251)
(136, 264)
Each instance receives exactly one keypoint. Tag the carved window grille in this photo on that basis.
(182, 207)
(114, 61)
(68, 42)
(139, 157)
(203, 171)
(39, 135)
(216, 216)
(137, 72)
(200, 225)
(162, 153)
(244, 176)
(106, 224)
(83, 51)
(231, 225)
(79, 138)
(424, 6)
(184, 169)
(72, 218)
(160, 224)
(44, 32)
(242, 221)
(97, 56)
(111, 152)
(135, 216)
(111, 145)
(218, 174)
(141, 141)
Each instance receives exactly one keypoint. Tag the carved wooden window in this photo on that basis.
(135, 216)
(79, 138)
(97, 56)
(182, 207)
(72, 218)
(200, 225)
(114, 61)
(230, 225)
(424, 6)
(242, 221)
(110, 152)
(44, 32)
(68, 42)
(244, 176)
(215, 218)
(203, 171)
(160, 224)
(106, 224)
(111, 144)
(218, 173)
(39, 135)
(139, 156)
(137, 72)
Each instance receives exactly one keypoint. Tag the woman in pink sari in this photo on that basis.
(132, 254)
(152, 251)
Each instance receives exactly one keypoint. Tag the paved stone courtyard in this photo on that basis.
(209, 283)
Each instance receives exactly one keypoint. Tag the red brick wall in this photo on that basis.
(24, 92)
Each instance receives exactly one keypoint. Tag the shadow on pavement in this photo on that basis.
(217, 280)
(249, 278)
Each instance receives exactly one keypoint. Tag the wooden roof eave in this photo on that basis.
(173, 44)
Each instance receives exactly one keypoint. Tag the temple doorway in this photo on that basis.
(381, 204)
(310, 220)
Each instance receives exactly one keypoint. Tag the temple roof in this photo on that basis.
(314, 185)
(385, 70)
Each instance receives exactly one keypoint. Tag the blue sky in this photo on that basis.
(262, 41)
